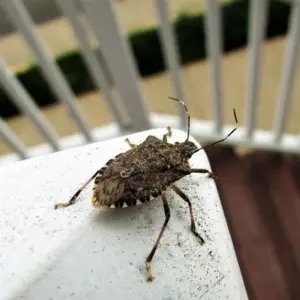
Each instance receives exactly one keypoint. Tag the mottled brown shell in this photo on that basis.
(140, 174)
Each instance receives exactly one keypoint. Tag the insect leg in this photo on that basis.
(180, 193)
(210, 174)
(129, 143)
(150, 256)
(75, 196)
(168, 134)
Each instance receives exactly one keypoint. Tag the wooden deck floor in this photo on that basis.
(260, 194)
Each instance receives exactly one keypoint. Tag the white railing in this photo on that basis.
(104, 21)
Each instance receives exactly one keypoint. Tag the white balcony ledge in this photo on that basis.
(83, 253)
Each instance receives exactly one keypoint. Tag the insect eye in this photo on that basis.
(176, 143)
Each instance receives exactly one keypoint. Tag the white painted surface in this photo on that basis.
(82, 253)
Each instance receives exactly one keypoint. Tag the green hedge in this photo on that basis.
(147, 51)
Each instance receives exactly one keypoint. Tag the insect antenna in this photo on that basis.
(226, 137)
(188, 115)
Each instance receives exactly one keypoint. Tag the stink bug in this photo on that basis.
(145, 172)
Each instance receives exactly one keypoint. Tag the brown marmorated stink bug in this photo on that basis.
(143, 173)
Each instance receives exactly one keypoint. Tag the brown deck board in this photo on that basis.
(259, 170)
(263, 228)
(286, 199)
(294, 166)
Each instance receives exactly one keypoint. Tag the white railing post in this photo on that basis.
(258, 21)
(19, 16)
(68, 8)
(171, 55)
(12, 141)
(214, 39)
(103, 19)
(23, 101)
(287, 82)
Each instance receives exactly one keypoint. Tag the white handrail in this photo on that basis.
(84, 253)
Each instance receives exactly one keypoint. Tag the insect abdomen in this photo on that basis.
(107, 192)
(145, 187)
